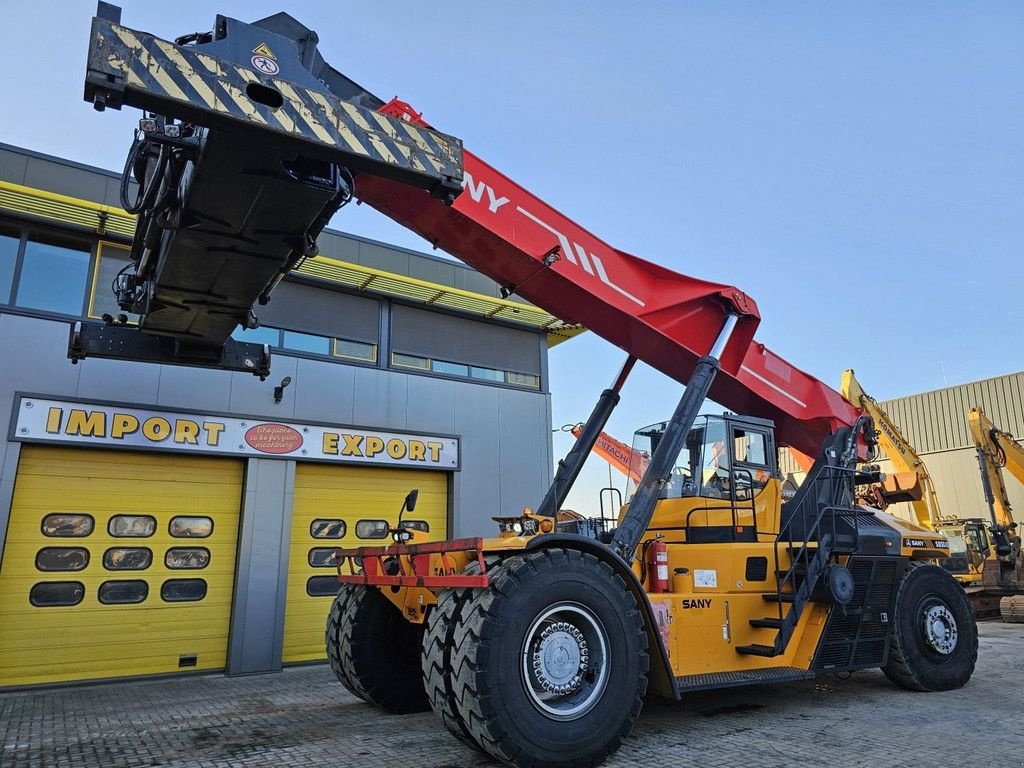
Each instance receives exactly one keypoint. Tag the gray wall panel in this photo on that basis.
(196, 388)
(382, 394)
(520, 424)
(382, 257)
(76, 182)
(431, 404)
(257, 616)
(322, 391)
(115, 380)
(477, 487)
(13, 166)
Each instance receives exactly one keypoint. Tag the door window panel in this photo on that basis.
(123, 592)
(132, 526)
(327, 529)
(59, 524)
(184, 527)
(54, 593)
(127, 558)
(183, 590)
(322, 586)
(187, 558)
(62, 558)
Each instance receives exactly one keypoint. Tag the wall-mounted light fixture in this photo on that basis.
(279, 389)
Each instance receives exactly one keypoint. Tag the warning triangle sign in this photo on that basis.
(264, 50)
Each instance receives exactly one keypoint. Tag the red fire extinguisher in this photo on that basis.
(657, 565)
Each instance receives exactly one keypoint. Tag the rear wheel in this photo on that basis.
(333, 637)
(377, 651)
(933, 637)
(550, 662)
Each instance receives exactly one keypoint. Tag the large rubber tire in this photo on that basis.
(438, 640)
(522, 617)
(333, 637)
(378, 652)
(438, 649)
(919, 660)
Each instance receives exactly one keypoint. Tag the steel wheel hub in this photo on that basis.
(940, 630)
(564, 661)
(561, 658)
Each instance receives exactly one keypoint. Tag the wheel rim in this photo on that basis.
(564, 661)
(939, 628)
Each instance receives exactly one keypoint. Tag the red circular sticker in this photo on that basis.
(273, 438)
(265, 64)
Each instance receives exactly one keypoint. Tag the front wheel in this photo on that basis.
(933, 638)
(550, 661)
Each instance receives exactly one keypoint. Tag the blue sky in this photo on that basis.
(857, 168)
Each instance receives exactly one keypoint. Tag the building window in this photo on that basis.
(306, 342)
(59, 524)
(127, 558)
(355, 350)
(132, 526)
(262, 335)
(450, 369)
(110, 260)
(522, 379)
(9, 243)
(487, 374)
(183, 590)
(123, 592)
(62, 558)
(52, 593)
(53, 277)
(410, 361)
(182, 527)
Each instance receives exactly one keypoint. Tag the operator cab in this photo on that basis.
(723, 457)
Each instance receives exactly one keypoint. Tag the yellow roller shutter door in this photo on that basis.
(117, 564)
(330, 503)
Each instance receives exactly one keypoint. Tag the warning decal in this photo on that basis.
(264, 50)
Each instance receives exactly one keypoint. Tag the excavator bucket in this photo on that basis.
(901, 486)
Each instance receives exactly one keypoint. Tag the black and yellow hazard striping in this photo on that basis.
(155, 74)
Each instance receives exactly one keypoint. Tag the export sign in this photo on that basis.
(42, 420)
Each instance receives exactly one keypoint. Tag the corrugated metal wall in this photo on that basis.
(935, 423)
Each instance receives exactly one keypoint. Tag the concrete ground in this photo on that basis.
(303, 717)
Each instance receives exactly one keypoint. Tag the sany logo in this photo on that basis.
(483, 193)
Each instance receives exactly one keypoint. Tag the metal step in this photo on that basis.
(712, 680)
(767, 623)
(771, 597)
(757, 650)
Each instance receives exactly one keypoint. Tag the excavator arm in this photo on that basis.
(911, 481)
(997, 450)
(197, 275)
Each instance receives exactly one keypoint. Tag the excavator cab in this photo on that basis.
(969, 547)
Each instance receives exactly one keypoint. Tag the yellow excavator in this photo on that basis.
(1002, 573)
(974, 543)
